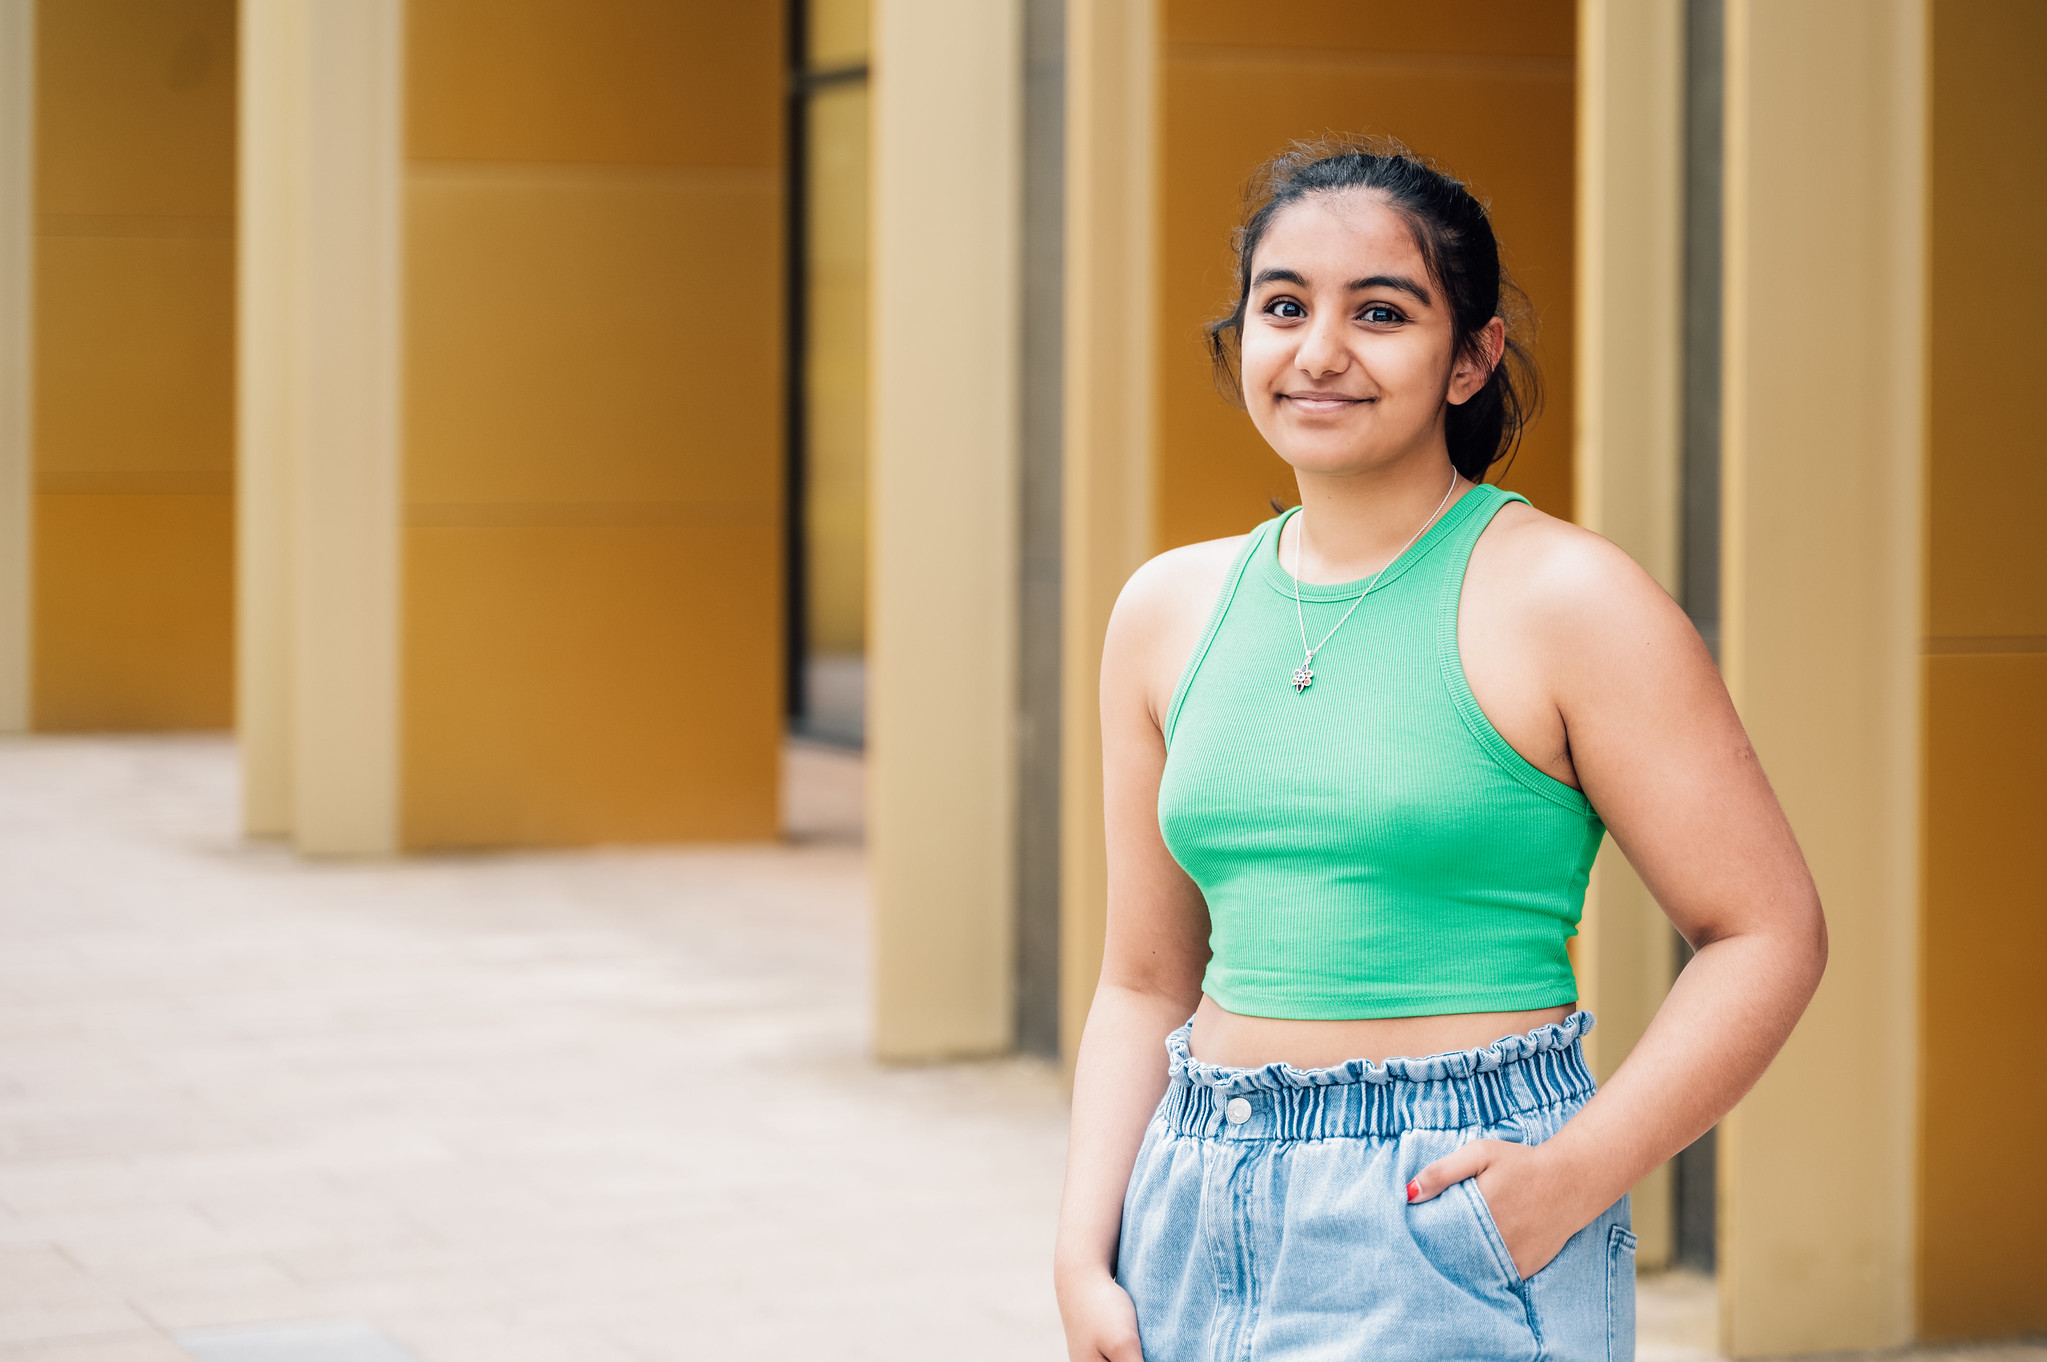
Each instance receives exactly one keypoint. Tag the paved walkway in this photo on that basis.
(567, 1107)
(570, 1107)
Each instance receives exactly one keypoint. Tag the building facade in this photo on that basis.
(511, 416)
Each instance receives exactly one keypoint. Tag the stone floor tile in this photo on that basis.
(32, 1185)
(471, 1290)
(205, 1304)
(122, 1347)
(38, 1321)
(38, 1274)
(321, 1340)
(169, 1239)
(444, 1338)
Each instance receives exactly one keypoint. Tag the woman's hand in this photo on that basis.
(1535, 1206)
(1101, 1323)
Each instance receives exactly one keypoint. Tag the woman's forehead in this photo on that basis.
(1348, 231)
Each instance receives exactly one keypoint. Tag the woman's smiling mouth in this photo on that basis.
(1324, 402)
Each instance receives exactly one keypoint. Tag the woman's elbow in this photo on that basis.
(1815, 938)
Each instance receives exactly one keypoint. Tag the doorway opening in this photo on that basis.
(826, 482)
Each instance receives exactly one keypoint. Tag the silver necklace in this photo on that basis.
(1304, 675)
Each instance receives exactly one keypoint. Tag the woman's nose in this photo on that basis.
(1322, 350)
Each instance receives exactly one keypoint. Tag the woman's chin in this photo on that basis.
(1348, 462)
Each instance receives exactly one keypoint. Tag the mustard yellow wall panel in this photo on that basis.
(839, 31)
(835, 368)
(1985, 927)
(133, 607)
(133, 366)
(570, 685)
(1982, 1105)
(592, 482)
(1987, 203)
(1468, 29)
(135, 107)
(642, 82)
(1499, 115)
(594, 336)
(135, 352)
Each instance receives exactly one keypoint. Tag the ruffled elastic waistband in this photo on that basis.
(1561, 1035)
(1479, 1087)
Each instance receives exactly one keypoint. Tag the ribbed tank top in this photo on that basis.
(1370, 847)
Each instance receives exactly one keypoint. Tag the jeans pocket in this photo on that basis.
(1620, 1294)
(1491, 1231)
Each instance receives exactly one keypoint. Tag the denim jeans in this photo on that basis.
(1267, 1218)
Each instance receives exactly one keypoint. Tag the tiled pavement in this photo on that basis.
(578, 1107)
(567, 1107)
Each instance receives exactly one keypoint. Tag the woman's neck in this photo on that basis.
(1358, 523)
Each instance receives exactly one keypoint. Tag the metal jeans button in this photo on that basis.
(1238, 1111)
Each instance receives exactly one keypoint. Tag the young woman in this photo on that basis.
(1357, 764)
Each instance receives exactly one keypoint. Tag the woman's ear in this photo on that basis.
(1476, 361)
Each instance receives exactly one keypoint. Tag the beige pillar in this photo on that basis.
(318, 410)
(1823, 567)
(17, 231)
(1111, 154)
(1629, 375)
(270, 273)
(947, 144)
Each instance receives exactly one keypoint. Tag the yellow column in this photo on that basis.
(17, 111)
(1824, 457)
(1629, 371)
(947, 110)
(319, 419)
(1111, 156)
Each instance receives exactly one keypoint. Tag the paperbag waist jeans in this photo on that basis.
(1267, 1218)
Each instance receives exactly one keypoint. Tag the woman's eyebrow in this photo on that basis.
(1278, 276)
(1392, 281)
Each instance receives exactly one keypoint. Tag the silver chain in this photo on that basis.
(1304, 677)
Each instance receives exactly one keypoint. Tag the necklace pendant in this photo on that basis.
(1303, 678)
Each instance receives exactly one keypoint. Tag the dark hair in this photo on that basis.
(1456, 240)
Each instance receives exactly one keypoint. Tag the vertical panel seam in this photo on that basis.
(17, 118)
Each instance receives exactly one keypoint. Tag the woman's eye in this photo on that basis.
(1286, 309)
(1379, 314)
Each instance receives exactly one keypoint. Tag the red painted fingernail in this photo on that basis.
(1414, 1190)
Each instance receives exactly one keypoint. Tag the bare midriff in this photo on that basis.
(1238, 1042)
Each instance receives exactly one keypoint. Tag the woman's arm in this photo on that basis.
(1655, 744)
(1153, 956)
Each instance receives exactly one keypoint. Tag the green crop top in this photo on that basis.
(1369, 847)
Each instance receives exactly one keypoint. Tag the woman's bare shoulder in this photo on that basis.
(1552, 570)
(1159, 617)
(1578, 598)
(1176, 584)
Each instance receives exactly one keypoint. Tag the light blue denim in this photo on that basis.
(1267, 1218)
